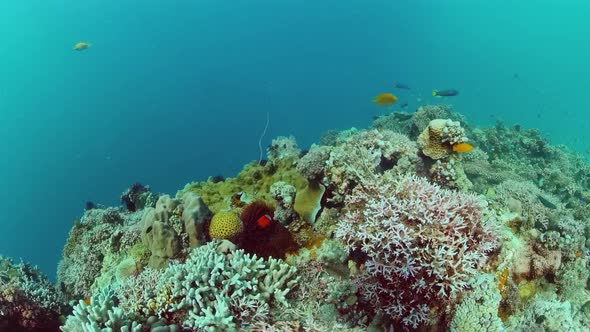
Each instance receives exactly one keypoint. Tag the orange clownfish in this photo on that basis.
(462, 147)
(264, 221)
(385, 99)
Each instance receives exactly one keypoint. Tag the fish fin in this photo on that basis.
(434, 92)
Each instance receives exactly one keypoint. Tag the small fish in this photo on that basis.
(264, 221)
(490, 192)
(404, 105)
(546, 202)
(385, 99)
(401, 86)
(81, 46)
(445, 93)
(462, 147)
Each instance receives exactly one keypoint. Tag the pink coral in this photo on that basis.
(422, 244)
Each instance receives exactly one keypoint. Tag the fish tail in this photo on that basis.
(434, 93)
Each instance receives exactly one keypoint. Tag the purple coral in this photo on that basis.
(422, 243)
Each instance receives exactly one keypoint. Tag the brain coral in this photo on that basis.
(225, 225)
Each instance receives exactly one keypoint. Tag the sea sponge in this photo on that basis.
(159, 235)
(225, 225)
(195, 215)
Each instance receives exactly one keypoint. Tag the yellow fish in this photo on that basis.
(385, 99)
(81, 46)
(462, 147)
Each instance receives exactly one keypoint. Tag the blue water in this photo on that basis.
(172, 92)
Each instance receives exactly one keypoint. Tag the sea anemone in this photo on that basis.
(262, 235)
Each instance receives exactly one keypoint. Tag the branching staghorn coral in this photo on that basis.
(102, 314)
(215, 284)
(422, 244)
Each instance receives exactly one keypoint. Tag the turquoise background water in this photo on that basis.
(175, 91)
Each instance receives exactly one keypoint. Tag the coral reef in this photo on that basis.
(252, 183)
(402, 226)
(101, 314)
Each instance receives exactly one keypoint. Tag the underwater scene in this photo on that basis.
(294, 166)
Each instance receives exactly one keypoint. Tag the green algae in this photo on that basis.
(254, 181)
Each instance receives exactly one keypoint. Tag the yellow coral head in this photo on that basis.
(225, 225)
